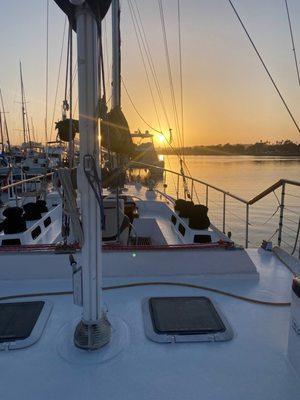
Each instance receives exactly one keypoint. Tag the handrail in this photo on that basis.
(261, 195)
(195, 180)
(281, 183)
(18, 183)
(271, 189)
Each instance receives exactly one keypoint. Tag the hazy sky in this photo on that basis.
(227, 96)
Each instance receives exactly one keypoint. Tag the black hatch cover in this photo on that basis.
(184, 316)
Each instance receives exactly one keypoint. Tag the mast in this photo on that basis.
(5, 128)
(32, 130)
(1, 133)
(26, 129)
(23, 104)
(93, 331)
(116, 55)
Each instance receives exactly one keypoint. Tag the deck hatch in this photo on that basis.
(184, 319)
(22, 323)
(184, 315)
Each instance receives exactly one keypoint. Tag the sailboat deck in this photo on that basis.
(251, 366)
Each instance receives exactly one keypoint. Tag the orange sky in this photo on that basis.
(227, 96)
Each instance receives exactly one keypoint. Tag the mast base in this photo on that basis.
(93, 336)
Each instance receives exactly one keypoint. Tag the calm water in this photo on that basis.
(245, 176)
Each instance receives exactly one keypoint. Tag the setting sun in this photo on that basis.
(160, 138)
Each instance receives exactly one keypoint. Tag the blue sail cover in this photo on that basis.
(98, 7)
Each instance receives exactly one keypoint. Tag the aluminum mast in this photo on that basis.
(94, 330)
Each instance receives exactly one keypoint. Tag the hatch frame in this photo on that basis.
(36, 332)
(152, 334)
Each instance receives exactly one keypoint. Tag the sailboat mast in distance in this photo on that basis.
(23, 104)
(26, 129)
(4, 127)
(1, 133)
(116, 55)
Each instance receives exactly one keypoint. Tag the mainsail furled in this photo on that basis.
(115, 133)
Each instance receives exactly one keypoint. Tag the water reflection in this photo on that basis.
(245, 176)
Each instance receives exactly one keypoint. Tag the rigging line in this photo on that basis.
(279, 204)
(152, 68)
(292, 39)
(168, 160)
(71, 141)
(290, 220)
(163, 25)
(136, 110)
(47, 69)
(58, 76)
(150, 61)
(4, 120)
(106, 51)
(73, 78)
(76, 105)
(264, 65)
(136, 28)
(290, 229)
(156, 130)
(293, 195)
(291, 211)
(151, 127)
(274, 213)
(157, 283)
(67, 67)
(271, 237)
(1, 132)
(26, 123)
(180, 70)
(296, 239)
(101, 71)
(32, 130)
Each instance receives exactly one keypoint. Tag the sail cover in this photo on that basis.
(115, 133)
(98, 7)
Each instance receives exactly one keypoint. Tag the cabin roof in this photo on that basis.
(251, 366)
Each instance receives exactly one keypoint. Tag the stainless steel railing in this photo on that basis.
(14, 195)
(281, 184)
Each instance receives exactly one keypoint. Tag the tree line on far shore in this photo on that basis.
(279, 148)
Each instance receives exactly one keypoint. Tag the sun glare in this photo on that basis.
(160, 138)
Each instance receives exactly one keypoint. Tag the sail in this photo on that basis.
(99, 8)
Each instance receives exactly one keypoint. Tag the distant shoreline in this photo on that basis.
(285, 148)
(164, 153)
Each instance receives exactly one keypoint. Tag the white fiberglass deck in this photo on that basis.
(251, 366)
